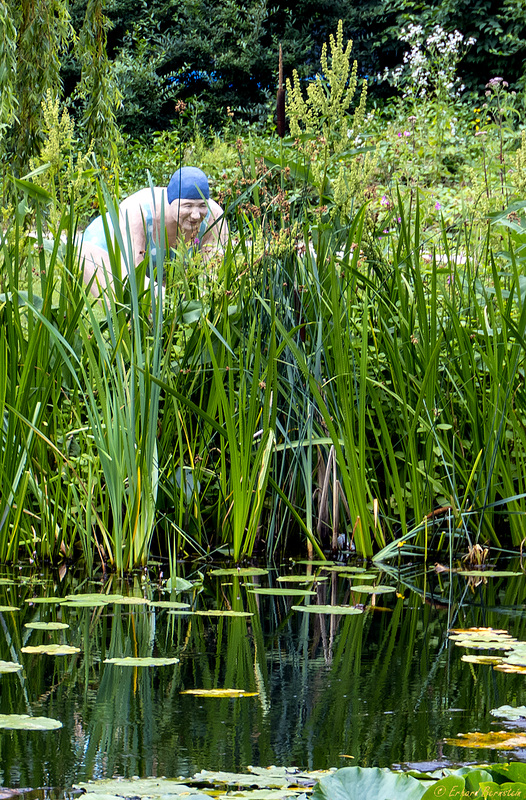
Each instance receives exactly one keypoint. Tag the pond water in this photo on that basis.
(377, 688)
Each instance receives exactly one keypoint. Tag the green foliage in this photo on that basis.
(97, 88)
(360, 782)
(43, 31)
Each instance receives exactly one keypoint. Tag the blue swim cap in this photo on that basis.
(188, 183)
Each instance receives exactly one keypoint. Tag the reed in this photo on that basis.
(323, 387)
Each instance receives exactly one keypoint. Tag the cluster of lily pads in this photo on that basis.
(514, 661)
(95, 600)
(349, 783)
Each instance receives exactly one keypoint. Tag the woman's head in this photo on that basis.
(188, 183)
(187, 194)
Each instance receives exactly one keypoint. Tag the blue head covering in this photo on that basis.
(188, 183)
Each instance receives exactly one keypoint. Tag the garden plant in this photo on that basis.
(349, 375)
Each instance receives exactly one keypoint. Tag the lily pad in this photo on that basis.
(280, 591)
(91, 599)
(510, 713)
(135, 787)
(494, 740)
(482, 659)
(8, 608)
(50, 600)
(365, 588)
(220, 692)
(510, 668)
(474, 644)
(147, 661)
(168, 604)
(302, 578)
(131, 601)
(46, 626)
(487, 573)
(367, 783)
(10, 666)
(262, 777)
(51, 649)
(217, 612)
(241, 571)
(314, 609)
(345, 570)
(27, 723)
(482, 632)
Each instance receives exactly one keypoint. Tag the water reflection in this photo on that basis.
(382, 687)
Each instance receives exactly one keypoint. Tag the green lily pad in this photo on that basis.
(302, 578)
(168, 604)
(220, 692)
(51, 649)
(474, 644)
(367, 783)
(510, 713)
(51, 600)
(241, 571)
(131, 601)
(366, 588)
(27, 723)
(90, 600)
(316, 562)
(487, 573)
(147, 661)
(343, 610)
(344, 569)
(280, 591)
(480, 634)
(262, 777)
(8, 608)
(46, 626)
(136, 787)
(216, 612)
(10, 666)
(482, 659)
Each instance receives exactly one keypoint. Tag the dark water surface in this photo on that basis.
(380, 688)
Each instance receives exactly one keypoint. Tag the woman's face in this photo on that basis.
(189, 214)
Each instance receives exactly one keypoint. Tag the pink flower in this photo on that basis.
(437, 205)
(385, 201)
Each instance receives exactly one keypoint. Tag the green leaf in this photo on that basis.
(10, 666)
(217, 612)
(368, 783)
(510, 713)
(220, 692)
(168, 604)
(301, 578)
(366, 588)
(280, 591)
(452, 786)
(46, 626)
(240, 571)
(51, 649)
(32, 189)
(27, 723)
(138, 787)
(343, 610)
(147, 661)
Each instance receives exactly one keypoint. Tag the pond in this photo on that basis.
(379, 687)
